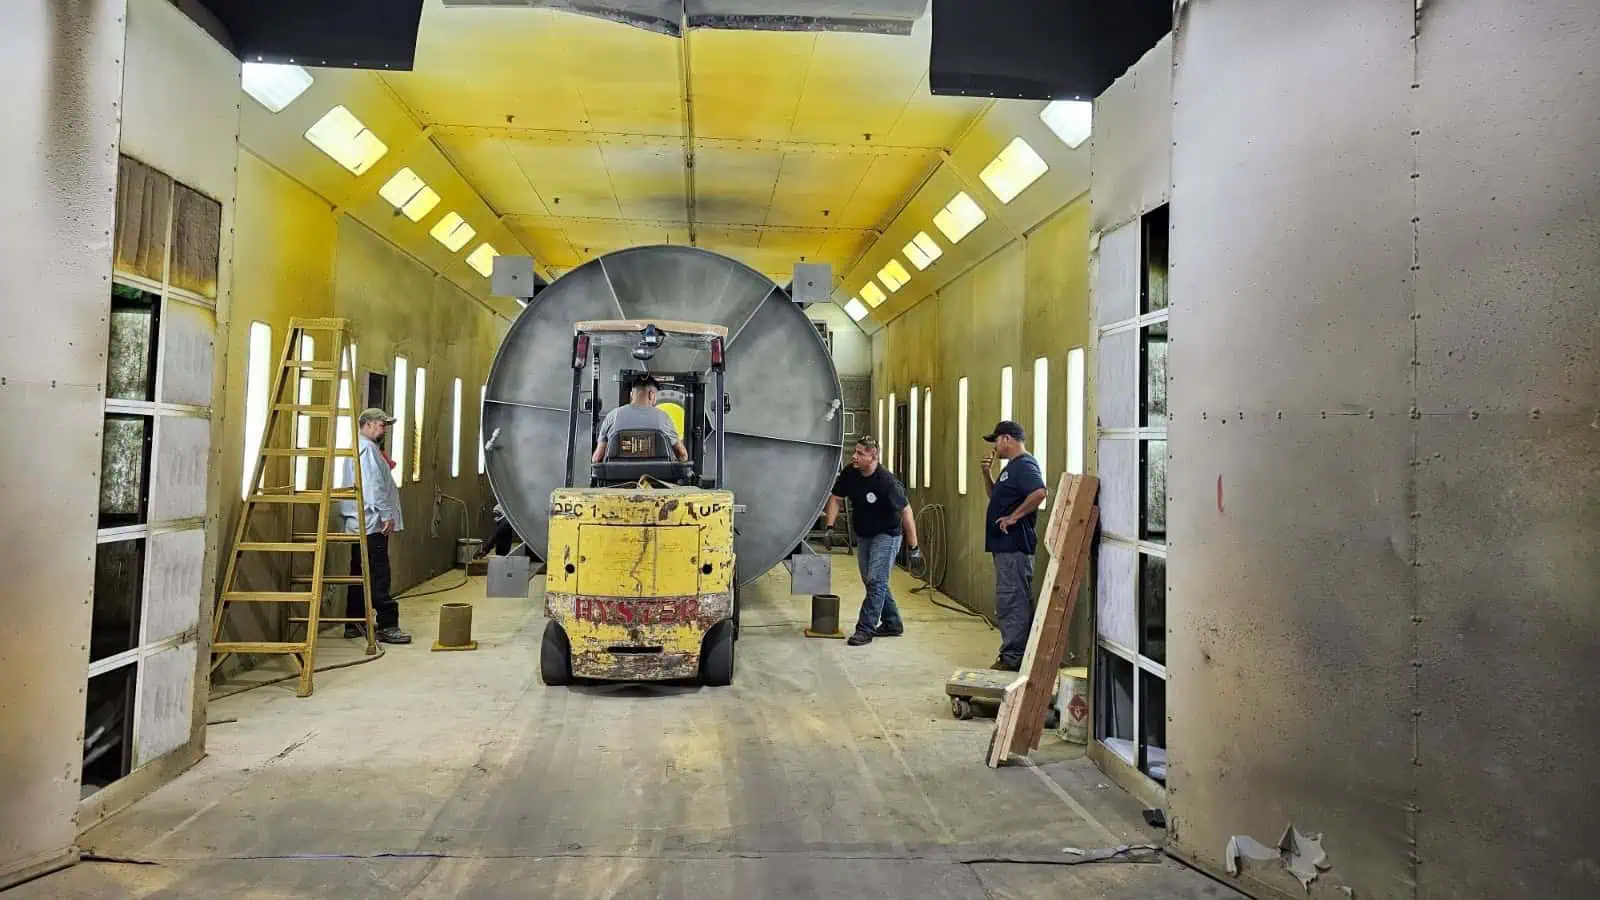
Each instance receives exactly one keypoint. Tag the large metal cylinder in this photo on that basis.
(784, 430)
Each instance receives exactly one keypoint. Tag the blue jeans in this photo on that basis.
(1013, 604)
(875, 558)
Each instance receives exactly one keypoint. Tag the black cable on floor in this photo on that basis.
(328, 668)
(413, 593)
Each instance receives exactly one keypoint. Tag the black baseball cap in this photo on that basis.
(1007, 428)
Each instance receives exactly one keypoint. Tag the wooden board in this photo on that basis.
(1068, 538)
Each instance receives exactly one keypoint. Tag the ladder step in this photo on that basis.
(276, 547)
(313, 452)
(306, 497)
(328, 579)
(313, 370)
(316, 412)
(266, 597)
(259, 647)
(333, 537)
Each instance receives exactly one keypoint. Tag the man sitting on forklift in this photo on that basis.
(641, 414)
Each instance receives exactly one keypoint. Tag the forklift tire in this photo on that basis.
(736, 612)
(716, 656)
(555, 656)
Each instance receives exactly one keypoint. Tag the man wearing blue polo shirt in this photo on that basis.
(1009, 534)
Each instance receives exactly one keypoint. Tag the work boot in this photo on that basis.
(354, 631)
(393, 635)
(883, 631)
(1000, 665)
(859, 638)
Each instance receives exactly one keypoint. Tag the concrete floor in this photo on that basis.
(825, 772)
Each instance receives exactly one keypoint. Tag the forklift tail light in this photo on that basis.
(580, 353)
(716, 352)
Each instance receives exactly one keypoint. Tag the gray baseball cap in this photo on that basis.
(374, 414)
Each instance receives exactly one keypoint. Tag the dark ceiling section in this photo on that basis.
(351, 34)
(669, 16)
(1040, 49)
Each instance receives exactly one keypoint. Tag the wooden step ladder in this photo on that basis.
(272, 511)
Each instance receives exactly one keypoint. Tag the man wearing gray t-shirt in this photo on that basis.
(641, 414)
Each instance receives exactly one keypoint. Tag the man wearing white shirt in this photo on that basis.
(382, 519)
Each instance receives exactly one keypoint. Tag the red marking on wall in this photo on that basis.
(1078, 709)
(1219, 493)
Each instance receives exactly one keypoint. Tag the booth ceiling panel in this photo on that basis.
(573, 127)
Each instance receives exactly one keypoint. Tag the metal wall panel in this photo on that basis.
(61, 66)
(1508, 203)
(181, 97)
(1290, 572)
(188, 353)
(166, 702)
(173, 594)
(1131, 152)
(178, 482)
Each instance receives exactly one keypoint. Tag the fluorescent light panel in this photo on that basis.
(894, 275)
(959, 217)
(342, 136)
(961, 436)
(873, 294)
(452, 231)
(407, 192)
(482, 259)
(1071, 120)
(856, 309)
(1013, 170)
(923, 250)
(274, 86)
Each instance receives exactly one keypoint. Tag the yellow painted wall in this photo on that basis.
(294, 255)
(1028, 299)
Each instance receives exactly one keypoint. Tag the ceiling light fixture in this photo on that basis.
(272, 85)
(1013, 170)
(342, 136)
(452, 231)
(856, 309)
(482, 259)
(873, 294)
(959, 217)
(923, 250)
(407, 192)
(1071, 120)
(894, 275)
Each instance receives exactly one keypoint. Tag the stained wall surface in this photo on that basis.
(62, 66)
(1028, 300)
(1385, 550)
(297, 257)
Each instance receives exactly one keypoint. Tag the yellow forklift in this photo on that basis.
(640, 583)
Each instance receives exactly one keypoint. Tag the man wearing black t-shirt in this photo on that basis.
(1009, 534)
(880, 516)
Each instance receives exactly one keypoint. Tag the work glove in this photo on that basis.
(914, 561)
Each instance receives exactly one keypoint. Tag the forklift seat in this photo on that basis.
(636, 454)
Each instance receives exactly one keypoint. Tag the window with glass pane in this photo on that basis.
(1153, 478)
(131, 360)
(1153, 607)
(1153, 375)
(1153, 289)
(1153, 725)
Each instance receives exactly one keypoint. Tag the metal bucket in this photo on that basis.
(467, 550)
(1073, 694)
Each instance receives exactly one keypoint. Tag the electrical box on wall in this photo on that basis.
(812, 283)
